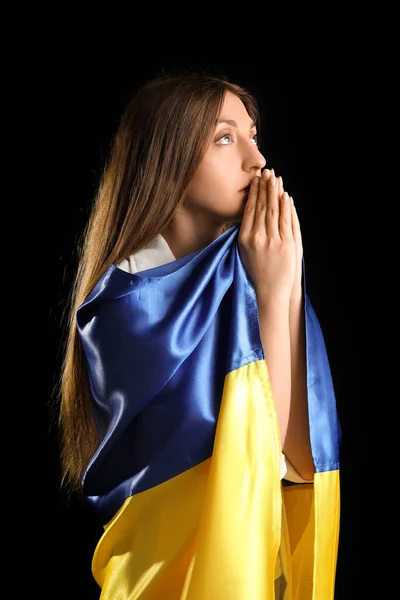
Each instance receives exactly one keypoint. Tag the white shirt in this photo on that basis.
(158, 253)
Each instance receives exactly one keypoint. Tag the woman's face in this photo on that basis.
(219, 187)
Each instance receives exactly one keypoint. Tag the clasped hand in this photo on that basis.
(270, 242)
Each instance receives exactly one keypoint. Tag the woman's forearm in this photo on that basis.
(297, 441)
(275, 336)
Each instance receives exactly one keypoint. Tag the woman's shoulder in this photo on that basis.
(155, 254)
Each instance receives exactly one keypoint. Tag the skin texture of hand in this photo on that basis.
(267, 239)
(297, 285)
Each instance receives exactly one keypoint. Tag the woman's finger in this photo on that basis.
(261, 206)
(285, 218)
(281, 189)
(272, 212)
(296, 227)
(250, 208)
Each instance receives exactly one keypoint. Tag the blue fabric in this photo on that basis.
(158, 345)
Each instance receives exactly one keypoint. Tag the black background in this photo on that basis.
(308, 136)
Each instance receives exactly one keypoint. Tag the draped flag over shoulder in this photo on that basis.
(186, 480)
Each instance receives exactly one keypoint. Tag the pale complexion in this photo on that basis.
(217, 193)
(270, 246)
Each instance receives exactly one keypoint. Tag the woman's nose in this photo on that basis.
(254, 160)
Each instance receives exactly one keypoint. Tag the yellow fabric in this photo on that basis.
(213, 532)
(146, 549)
(311, 524)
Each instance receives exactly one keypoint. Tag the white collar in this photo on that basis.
(155, 254)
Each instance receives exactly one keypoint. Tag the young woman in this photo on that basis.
(197, 409)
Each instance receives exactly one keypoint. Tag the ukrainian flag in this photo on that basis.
(186, 479)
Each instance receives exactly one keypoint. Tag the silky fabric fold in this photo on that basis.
(186, 478)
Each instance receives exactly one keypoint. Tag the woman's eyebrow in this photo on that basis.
(233, 123)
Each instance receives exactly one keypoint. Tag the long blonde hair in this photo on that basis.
(160, 141)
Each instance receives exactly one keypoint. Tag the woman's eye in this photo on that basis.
(225, 139)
